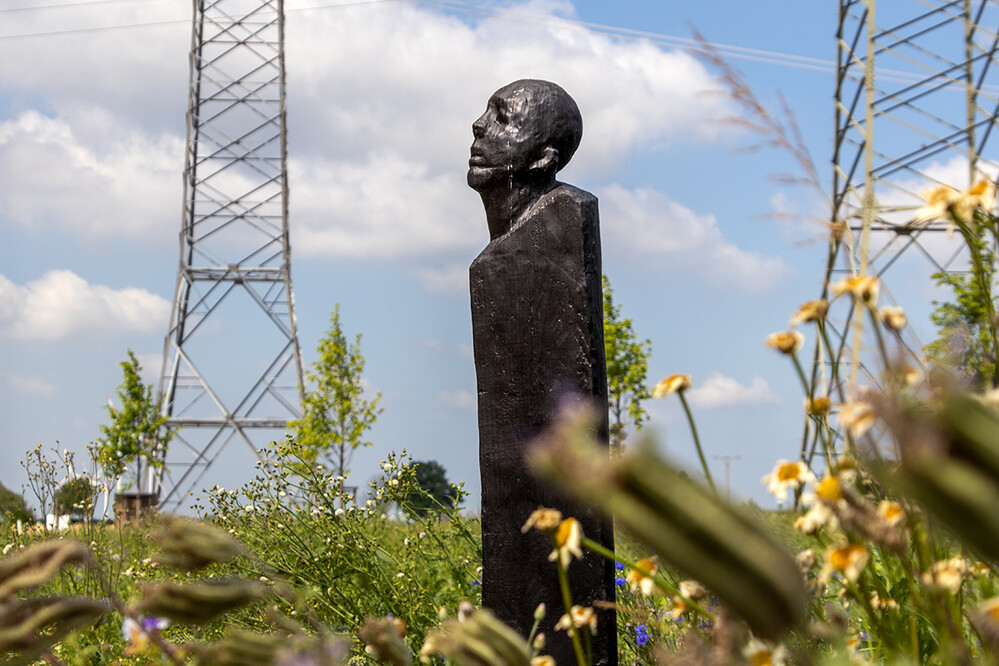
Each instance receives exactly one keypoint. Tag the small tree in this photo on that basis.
(137, 433)
(336, 413)
(627, 367)
(969, 332)
(76, 496)
(13, 507)
(437, 490)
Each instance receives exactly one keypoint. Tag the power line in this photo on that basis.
(746, 53)
(125, 26)
(771, 57)
(738, 52)
(63, 5)
(774, 57)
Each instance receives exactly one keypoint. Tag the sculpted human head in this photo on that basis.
(529, 131)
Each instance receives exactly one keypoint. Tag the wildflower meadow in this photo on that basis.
(887, 555)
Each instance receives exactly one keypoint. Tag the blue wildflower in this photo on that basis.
(476, 582)
(619, 580)
(619, 566)
(641, 635)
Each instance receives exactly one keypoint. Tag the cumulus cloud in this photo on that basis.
(719, 390)
(381, 98)
(116, 181)
(61, 303)
(383, 206)
(404, 77)
(646, 224)
(142, 71)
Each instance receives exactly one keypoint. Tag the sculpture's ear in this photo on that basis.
(548, 162)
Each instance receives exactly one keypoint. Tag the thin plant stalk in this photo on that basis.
(697, 441)
(563, 581)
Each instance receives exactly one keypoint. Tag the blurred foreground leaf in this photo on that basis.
(687, 525)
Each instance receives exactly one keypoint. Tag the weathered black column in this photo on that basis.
(537, 324)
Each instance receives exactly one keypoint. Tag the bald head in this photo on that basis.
(529, 131)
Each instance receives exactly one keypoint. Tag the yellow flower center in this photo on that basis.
(819, 406)
(842, 557)
(564, 533)
(789, 472)
(762, 658)
(828, 489)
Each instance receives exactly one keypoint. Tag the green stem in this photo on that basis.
(872, 311)
(697, 441)
(534, 631)
(801, 374)
(563, 582)
(833, 360)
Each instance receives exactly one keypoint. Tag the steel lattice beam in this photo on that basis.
(234, 248)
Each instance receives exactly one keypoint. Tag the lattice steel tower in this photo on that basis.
(916, 101)
(232, 367)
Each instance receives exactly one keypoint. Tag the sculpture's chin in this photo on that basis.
(483, 178)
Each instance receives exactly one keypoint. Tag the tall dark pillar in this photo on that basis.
(537, 319)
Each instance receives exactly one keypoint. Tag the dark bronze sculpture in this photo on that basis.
(537, 323)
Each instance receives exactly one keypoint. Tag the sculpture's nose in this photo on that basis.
(479, 127)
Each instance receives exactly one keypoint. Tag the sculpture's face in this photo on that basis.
(507, 141)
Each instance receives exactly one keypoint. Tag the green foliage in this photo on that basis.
(76, 496)
(627, 367)
(336, 413)
(353, 561)
(433, 491)
(136, 433)
(967, 341)
(13, 507)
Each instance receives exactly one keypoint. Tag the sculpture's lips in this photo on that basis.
(477, 159)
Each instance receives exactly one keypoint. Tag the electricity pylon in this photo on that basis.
(232, 367)
(917, 93)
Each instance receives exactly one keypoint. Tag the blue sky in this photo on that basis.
(381, 96)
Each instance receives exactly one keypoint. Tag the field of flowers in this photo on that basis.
(888, 555)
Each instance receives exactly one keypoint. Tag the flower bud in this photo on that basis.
(383, 638)
(198, 603)
(189, 545)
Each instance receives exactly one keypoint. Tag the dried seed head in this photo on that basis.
(786, 342)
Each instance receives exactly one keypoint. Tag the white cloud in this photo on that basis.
(382, 206)
(400, 77)
(34, 385)
(61, 303)
(719, 391)
(381, 101)
(459, 399)
(646, 224)
(116, 181)
(137, 70)
(451, 279)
